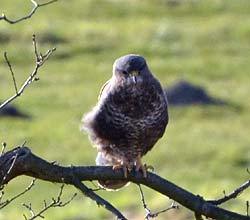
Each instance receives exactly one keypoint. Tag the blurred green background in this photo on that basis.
(205, 148)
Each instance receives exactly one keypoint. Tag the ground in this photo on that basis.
(205, 149)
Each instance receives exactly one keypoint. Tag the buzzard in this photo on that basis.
(129, 118)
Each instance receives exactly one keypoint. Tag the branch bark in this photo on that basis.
(26, 163)
(32, 12)
(99, 201)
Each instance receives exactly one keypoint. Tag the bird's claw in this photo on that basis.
(140, 166)
(149, 167)
(124, 167)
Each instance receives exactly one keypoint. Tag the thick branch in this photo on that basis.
(100, 201)
(29, 164)
(35, 7)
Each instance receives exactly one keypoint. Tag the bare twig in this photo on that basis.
(23, 144)
(11, 71)
(144, 202)
(35, 7)
(156, 214)
(40, 60)
(247, 204)
(4, 145)
(232, 195)
(8, 201)
(150, 214)
(100, 201)
(97, 188)
(13, 159)
(56, 202)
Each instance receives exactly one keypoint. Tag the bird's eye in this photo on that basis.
(124, 72)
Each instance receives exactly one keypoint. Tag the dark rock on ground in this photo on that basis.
(184, 93)
(12, 111)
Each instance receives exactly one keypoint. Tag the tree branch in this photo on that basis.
(34, 9)
(40, 60)
(8, 201)
(11, 71)
(31, 165)
(100, 201)
(232, 195)
(149, 213)
(56, 202)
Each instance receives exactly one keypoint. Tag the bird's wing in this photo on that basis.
(104, 89)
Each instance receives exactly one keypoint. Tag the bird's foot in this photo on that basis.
(149, 167)
(125, 167)
(140, 166)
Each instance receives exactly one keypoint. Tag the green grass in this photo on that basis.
(205, 149)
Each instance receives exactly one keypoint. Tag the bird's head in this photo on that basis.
(130, 68)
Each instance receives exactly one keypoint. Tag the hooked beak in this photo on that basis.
(134, 74)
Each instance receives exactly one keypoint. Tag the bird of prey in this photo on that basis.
(129, 118)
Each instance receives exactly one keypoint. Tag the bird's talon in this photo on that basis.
(149, 167)
(140, 166)
(125, 171)
(144, 171)
(123, 167)
(116, 167)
